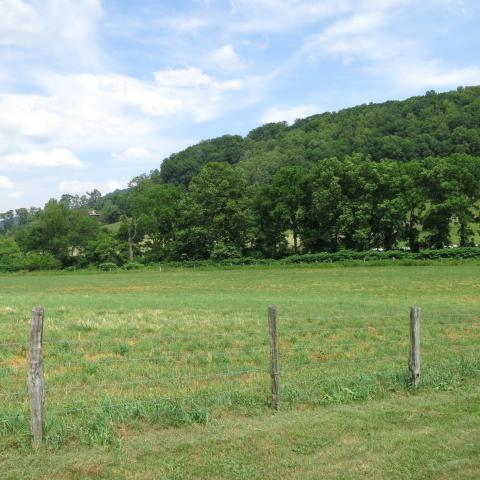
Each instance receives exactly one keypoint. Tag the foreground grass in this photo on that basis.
(414, 437)
(129, 356)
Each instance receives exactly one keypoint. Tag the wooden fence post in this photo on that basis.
(274, 364)
(414, 359)
(36, 380)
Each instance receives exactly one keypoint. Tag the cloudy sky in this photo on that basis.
(94, 92)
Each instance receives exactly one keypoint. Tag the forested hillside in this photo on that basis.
(435, 125)
(398, 174)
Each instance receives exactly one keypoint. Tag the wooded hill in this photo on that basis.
(435, 125)
(397, 174)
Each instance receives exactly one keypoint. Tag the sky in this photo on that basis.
(96, 92)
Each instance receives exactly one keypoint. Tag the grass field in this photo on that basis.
(164, 374)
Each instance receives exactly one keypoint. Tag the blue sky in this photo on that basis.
(93, 93)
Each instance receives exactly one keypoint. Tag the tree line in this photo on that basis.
(394, 175)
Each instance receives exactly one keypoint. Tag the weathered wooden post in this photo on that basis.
(414, 359)
(274, 364)
(36, 380)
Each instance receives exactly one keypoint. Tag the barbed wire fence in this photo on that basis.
(274, 355)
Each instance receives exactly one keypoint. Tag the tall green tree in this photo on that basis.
(288, 191)
(60, 231)
(215, 212)
(157, 208)
(452, 187)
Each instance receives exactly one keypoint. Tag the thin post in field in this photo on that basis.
(414, 358)
(35, 378)
(274, 363)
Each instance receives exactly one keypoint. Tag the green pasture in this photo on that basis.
(169, 363)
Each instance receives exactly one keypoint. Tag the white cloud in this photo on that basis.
(29, 115)
(79, 187)
(76, 110)
(355, 25)
(201, 95)
(279, 15)
(263, 16)
(58, 157)
(19, 22)
(368, 39)
(62, 32)
(112, 185)
(17, 194)
(114, 111)
(288, 114)
(225, 58)
(171, 81)
(154, 152)
(75, 187)
(135, 152)
(360, 35)
(5, 183)
(432, 74)
(181, 78)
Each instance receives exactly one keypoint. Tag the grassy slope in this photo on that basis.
(349, 314)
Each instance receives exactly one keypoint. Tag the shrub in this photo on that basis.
(370, 255)
(224, 252)
(10, 255)
(40, 261)
(105, 249)
(107, 266)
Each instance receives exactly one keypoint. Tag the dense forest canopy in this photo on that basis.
(401, 174)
